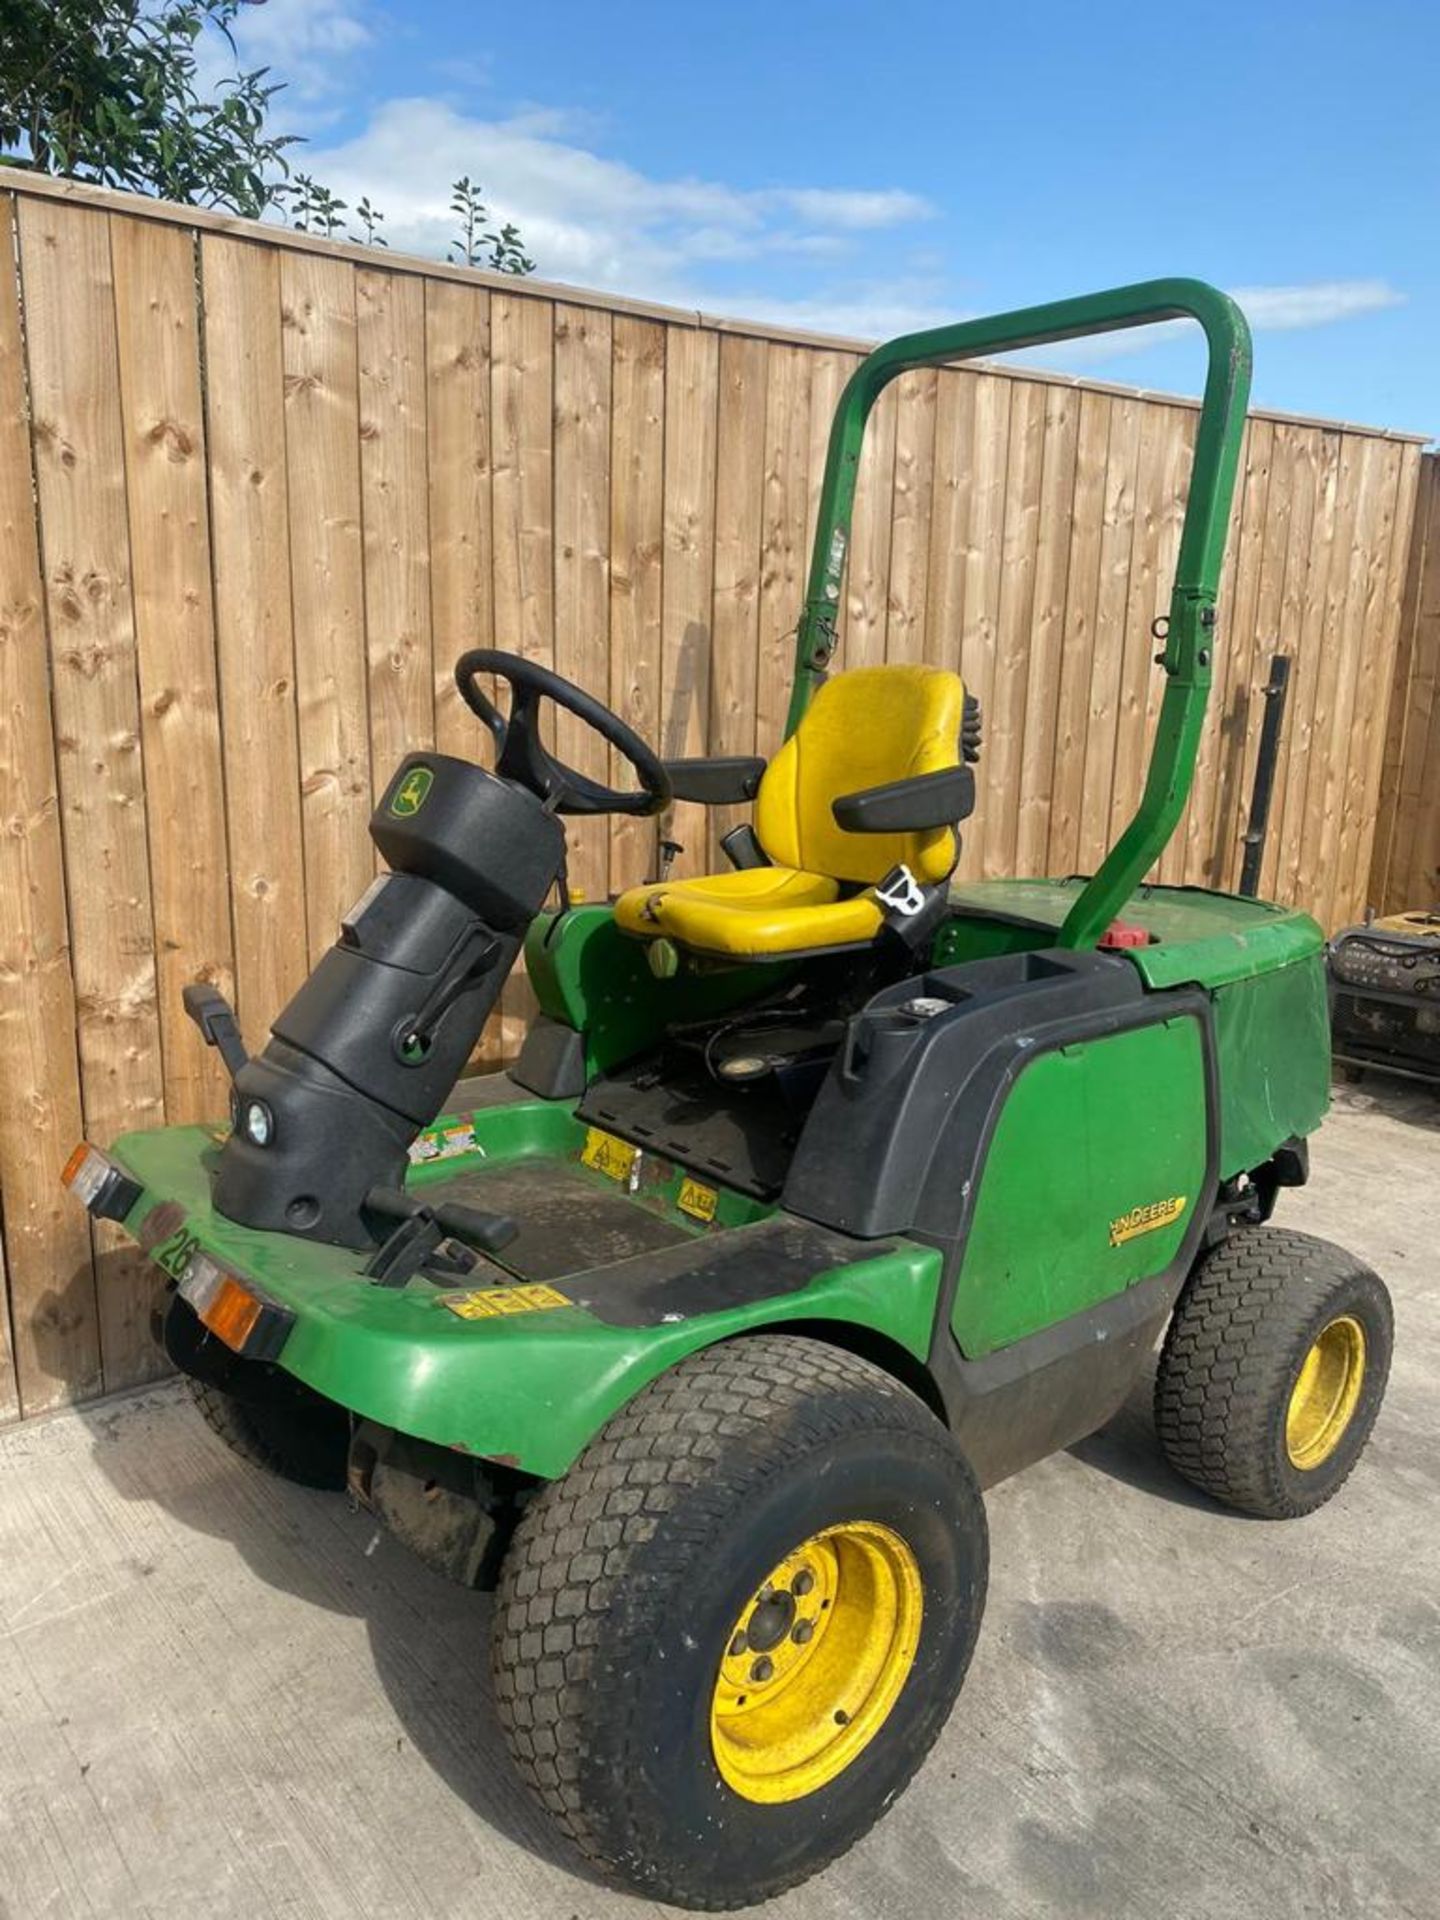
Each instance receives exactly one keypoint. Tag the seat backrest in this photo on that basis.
(862, 729)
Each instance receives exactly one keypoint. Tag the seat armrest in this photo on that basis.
(909, 806)
(721, 782)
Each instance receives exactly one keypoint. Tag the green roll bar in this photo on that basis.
(1189, 637)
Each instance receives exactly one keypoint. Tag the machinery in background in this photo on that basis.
(1385, 994)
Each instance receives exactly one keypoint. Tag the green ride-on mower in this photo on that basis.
(823, 1193)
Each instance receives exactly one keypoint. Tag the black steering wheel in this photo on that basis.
(523, 758)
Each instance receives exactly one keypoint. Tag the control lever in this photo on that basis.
(478, 954)
(421, 1231)
(211, 1012)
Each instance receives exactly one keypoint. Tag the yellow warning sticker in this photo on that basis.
(495, 1303)
(699, 1202)
(1146, 1219)
(614, 1158)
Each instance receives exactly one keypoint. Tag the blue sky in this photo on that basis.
(865, 168)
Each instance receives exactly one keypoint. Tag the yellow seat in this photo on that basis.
(863, 729)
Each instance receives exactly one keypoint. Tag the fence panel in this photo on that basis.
(1406, 864)
(258, 490)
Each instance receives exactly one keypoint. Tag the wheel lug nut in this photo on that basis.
(763, 1668)
(804, 1630)
(803, 1583)
(738, 1645)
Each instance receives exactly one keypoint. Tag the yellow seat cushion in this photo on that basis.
(752, 914)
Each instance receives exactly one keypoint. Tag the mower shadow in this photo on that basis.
(1126, 1449)
(429, 1639)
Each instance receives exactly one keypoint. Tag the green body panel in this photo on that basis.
(1087, 1134)
(1272, 1035)
(1189, 631)
(532, 1387)
(1263, 964)
(1201, 938)
(593, 977)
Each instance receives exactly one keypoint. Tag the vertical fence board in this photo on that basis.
(1305, 675)
(1077, 645)
(583, 344)
(1372, 678)
(1362, 585)
(1331, 715)
(394, 489)
(168, 500)
(1304, 480)
(1378, 681)
(322, 466)
(980, 585)
(462, 567)
(1217, 778)
(783, 555)
(1112, 600)
(1035, 797)
(1406, 865)
(1255, 645)
(913, 489)
(829, 372)
(80, 479)
(522, 508)
(1142, 603)
(637, 540)
(864, 595)
(692, 382)
(56, 1353)
(739, 510)
(1015, 616)
(250, 526)
(1174, 484)
(952, 490)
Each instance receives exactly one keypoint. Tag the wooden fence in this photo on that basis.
(1406, 866)
(258, 490)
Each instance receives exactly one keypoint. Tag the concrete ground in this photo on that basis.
(222, 1696)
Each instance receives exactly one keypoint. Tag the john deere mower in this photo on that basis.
(823, 1193)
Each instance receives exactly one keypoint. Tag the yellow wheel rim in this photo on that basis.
(815, 1662)
(1324, 1396)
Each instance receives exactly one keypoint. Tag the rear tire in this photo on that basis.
(308, 1445)
(1273, 1371)
(741, 1517)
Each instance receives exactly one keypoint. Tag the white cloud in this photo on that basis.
(1317, 303)
(838, 207)
(588, 219)
(1282, 309)
(308, 44)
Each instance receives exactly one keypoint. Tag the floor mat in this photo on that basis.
(568, 1222)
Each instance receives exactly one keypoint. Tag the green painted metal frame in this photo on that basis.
(1189, 638)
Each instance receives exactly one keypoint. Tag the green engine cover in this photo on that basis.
(1090, 1181)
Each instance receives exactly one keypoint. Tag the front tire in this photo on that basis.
(308, 1445)
(727, 1638)
(1273, 1371)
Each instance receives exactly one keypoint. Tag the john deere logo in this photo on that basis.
(412, 792)
(1159, 1213)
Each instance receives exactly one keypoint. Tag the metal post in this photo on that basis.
(1275, 690)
